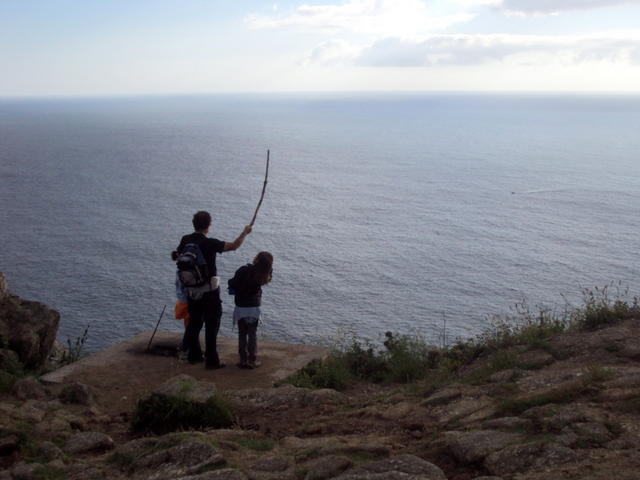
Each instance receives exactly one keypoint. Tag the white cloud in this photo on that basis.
(377, 17)
(533, 7)
(444, 50)
(333, 52)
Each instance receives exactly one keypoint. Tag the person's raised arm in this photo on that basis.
(228, 246)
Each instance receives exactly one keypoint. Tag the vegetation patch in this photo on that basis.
(408, 359)
(161, 414)
(47, 472)
(257, 444)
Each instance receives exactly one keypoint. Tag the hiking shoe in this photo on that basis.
(254, 364)
(241, 364)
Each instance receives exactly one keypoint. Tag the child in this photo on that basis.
(246, 285)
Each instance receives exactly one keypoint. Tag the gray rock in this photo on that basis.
(190, 457)
(8, 444)
(591, 434)
(134, 449)
(223, 474)
(49, 451)
(29, 328)
(474, 446)
(280, 398)
(506, 376)
(399, 467)
(325, 396)
(9, 361)
(327, 467)
(507, 423)
(531, 456)
(383, 476)
(28, 388)
(24, 471)
(88, 442)
(77, 393)
(443, 396)
(188, 388)
(271, 464)
(30, 413)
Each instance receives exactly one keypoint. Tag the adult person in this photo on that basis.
(207, 309)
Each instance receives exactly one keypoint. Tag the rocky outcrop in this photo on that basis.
(28, 328)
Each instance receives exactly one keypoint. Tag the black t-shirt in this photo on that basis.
(209, 247)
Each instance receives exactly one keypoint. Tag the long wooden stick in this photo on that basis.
(264, 188)
(158, 324)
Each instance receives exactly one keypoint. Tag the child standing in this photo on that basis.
(246, 285)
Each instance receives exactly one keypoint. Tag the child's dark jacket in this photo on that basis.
(248, 291)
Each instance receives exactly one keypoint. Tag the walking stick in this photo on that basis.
(157, 325)
(264, 188)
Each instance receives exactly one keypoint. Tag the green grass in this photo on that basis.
(410, 359)
(161, 414)
(257, 444)
(47, 472)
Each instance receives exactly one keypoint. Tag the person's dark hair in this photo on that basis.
(263, 267)
(201, 221)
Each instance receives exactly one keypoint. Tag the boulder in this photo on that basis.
(88, 442)
(190, 457)
(77, 393)
(223, 474)
(28, 388)
(508, 423)
(532, 456)
(326, 467)
(24, 471)
(474, 446)
(28, 328)
(280, 398)
(8, 443)
(271, 465)
(49, 451)
(399, 467)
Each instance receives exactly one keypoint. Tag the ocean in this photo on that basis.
(384, 212)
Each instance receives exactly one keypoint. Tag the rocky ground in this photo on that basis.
(566, 408)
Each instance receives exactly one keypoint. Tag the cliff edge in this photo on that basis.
(543, 402)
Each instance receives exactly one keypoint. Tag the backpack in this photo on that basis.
(193, 271)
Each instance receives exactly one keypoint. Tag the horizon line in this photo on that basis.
(69, 96)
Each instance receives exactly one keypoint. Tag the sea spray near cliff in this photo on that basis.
(383, 212)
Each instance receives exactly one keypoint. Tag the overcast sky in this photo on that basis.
(96, 47)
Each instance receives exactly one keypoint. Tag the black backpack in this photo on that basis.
(193, 271)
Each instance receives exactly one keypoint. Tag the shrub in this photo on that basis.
(600, 310)
(162, 414)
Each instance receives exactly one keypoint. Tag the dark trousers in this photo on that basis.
(247, 342)
(206, 311)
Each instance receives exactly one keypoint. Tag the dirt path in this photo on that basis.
(122, 373)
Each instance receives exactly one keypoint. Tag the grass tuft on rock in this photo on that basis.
(161, 414)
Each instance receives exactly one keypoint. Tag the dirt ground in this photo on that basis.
(119, 375)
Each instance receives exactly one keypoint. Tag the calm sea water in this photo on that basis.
(387, 212)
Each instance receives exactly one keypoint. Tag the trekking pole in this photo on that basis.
(264, 188)
(156, 329)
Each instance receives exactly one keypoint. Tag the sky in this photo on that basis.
(114, 47)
